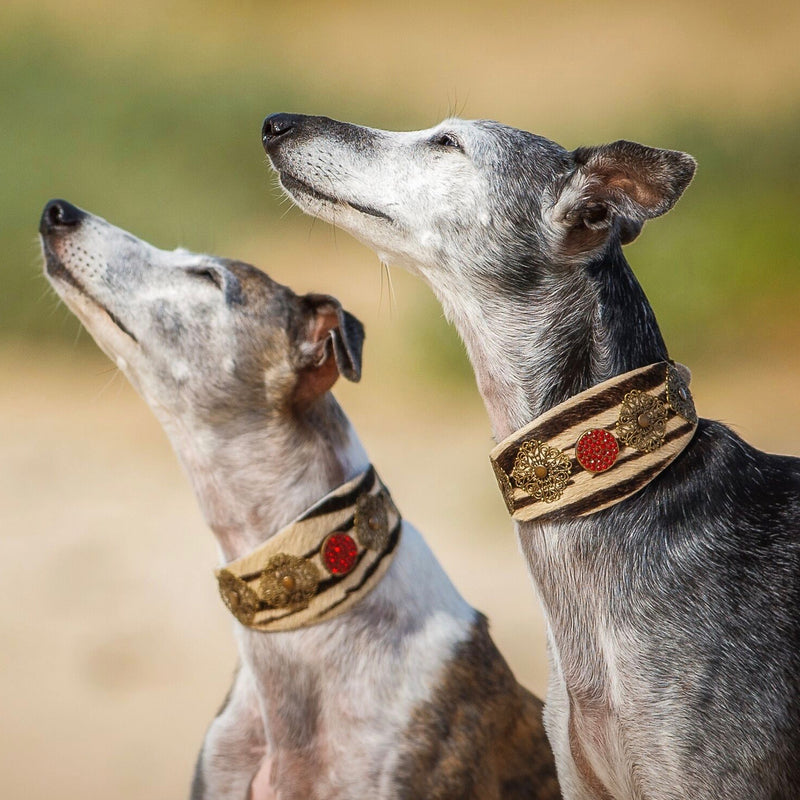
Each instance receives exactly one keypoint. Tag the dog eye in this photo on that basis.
(448, 140)
(206, 273)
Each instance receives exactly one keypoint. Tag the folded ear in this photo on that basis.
(616, 186)
(331, 342)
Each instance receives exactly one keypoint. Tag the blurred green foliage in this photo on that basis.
(175, 156)
(723, 269)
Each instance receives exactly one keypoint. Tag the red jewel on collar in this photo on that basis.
(339, 553)
(597, 450)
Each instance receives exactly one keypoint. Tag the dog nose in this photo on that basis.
(277, 126)
(60, 215)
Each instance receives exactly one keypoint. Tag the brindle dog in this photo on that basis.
(405, 694)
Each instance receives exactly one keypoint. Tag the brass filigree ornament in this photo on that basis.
(241, 600)
(506, 489)
(288, 581)
(371, 521)
(542, 471)
(679, 397)
(642, 421)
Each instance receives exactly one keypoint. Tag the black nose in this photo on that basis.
(277, 126)
(60, 215)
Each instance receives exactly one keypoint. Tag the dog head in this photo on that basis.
(473, 199)
(201, 338)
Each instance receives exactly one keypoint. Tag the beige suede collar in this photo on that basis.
(321, 564)
(597, 448)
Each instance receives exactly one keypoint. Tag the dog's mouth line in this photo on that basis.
(291, 184)
(56, 269)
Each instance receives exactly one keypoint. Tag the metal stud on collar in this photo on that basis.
(240, 599)
(542, 471)
(371, 521)
(642, 421)
(288, 581)
(679, 397)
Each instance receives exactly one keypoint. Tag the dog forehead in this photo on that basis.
(518, 160)
(257, 289)
(252, 299)
(497, 134)
(516, 147)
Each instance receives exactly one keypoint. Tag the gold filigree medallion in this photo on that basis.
(240, 599)
(679, 397)
(371, 521)
(288, 581)
(506, 489)
(540, 470)
(642, 421)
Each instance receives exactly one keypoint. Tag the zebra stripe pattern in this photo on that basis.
(290, 581)
(649, 411)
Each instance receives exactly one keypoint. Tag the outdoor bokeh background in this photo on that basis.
(148, 113)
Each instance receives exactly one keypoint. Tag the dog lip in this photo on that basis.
(291, 183)
(373, 212)
(56, 269)
(116, 320)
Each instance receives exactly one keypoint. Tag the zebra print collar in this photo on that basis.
(597, 448)
(321, 564)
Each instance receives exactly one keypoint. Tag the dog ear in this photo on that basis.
(617, 186)
(331, 343)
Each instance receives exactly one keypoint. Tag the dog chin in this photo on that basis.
(303, 193)
(113, 340)
(110, 333)
(324, 209)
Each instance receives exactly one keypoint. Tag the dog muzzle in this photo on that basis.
(597, 448)
(321, 564)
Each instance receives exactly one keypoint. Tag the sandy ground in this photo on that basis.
(105, 687)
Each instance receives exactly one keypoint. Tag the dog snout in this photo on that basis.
(277, 127)
(59, 215)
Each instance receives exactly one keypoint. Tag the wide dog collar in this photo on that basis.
(321, 564)
(597, 448)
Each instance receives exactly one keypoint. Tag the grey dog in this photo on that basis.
(402, 696)
(674, 616)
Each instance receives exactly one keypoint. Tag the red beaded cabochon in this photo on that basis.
(339, 553)
(597, 450)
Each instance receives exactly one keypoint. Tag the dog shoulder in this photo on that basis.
(480, 735)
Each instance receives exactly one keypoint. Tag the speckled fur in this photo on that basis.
(237, 367)
(673, 622)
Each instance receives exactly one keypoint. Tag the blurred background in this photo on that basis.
(149, 114)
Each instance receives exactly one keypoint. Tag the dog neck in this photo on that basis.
(254, 479)
(531, 351)
(570, 329)
(254, 474)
